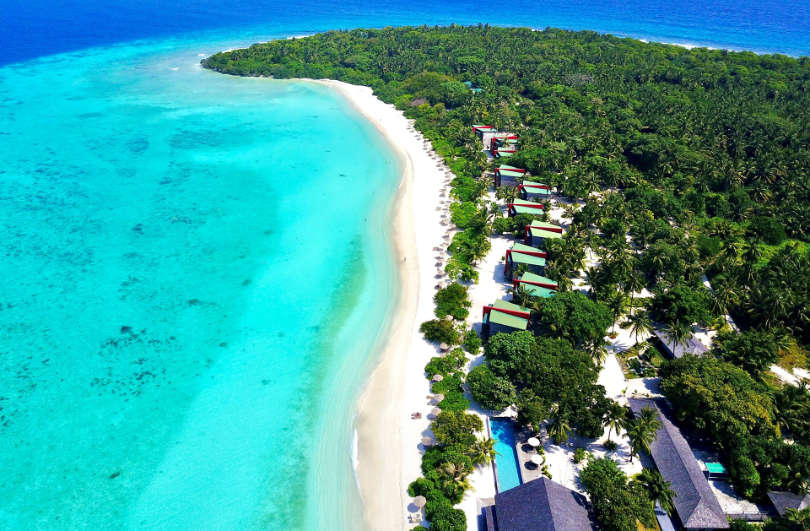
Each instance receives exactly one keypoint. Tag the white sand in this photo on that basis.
(389, 456)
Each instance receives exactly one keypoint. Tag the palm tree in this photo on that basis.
(679, 332)
(801, 518)
(558, 429)
(615, 418)
(642, 431)
(657, 488)
(635, 282)
(640, 323)
(483, 451)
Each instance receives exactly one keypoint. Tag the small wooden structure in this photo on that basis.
(533, 190)
(536, 285)
(534, 259)
(504, 316)
(521, 206)
(481, 129)
(537, 232)
(508, 174)
(499, 140)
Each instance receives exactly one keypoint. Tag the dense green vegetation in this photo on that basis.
(618, 504)
(701, 157)
(739, 416)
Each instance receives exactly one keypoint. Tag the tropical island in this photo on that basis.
(629, 244)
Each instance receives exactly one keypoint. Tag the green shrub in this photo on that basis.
(579, 455)
(492, 392)
(452, 300)
(472, 342)
(446, 365)
(440, 331)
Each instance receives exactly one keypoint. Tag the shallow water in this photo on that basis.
(181, 252)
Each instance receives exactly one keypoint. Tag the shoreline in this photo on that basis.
(388, 457)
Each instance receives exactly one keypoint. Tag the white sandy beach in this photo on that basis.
(389, 457)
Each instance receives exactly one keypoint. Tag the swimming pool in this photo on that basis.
(507, 470)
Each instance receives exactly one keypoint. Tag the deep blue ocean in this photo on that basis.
(33, 28)
(196, 270)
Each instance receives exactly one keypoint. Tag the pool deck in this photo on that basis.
(528, 470)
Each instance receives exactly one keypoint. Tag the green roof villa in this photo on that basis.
(532, 258)
(505, 317)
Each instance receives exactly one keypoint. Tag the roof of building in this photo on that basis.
(545, 225)
(505, 319)
(541, 505)
(521, 206)
(542, 233)
(787, 500)
(528, 276)
(503, 153)
(519, 255)
(679, 350)
(540, 291)
(695, 503)
(535, 188)
(508, 171)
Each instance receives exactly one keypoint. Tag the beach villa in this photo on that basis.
(536, 285)
(499, 140)
(481, 130)
(696, 506)
(532, 258)
(519, 206)
(505, 317)
(504, 152)
(537, 232)
(508, 175)
(533, 190)
(691, 345)
(538, 505)
(782, 501)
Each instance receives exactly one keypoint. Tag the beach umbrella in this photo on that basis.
(438, 397)
(427, 441)
(536, 459)
(444, 347)
(438, 377)
(435, 411)
(419, 502)
(534, 442)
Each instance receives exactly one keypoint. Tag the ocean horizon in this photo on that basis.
(198, 270)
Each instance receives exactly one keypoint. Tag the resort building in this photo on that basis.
(519, 206)
(537, 232)
(499, 140)
(481, 130)
(536, 285)
(696, 506)
(504, 317)
(678, 350)
(532, 258)
(508, 175)
(782, 501)
(538, 505)
(533, 190)
(504, 152)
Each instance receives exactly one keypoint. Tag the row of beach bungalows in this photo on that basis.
(499, 143)
(524, 262)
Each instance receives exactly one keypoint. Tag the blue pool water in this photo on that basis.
(506, 459)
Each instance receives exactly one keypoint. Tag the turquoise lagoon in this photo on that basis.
(196, 272)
